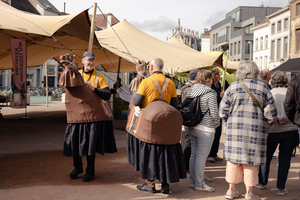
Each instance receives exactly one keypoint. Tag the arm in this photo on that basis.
(138, 100)
(213, 109)
(174, 102)
(290, 103)
(103, 93)
(224, 109)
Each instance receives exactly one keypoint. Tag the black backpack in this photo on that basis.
(191, 112)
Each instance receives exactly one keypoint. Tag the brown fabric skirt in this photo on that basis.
(162, 162)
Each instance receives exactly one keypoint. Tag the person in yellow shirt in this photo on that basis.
(156, 161)
(93, 134)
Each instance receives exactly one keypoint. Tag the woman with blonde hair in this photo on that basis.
(246, 128)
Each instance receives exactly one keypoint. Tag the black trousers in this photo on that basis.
(77, 162)
(215, 146)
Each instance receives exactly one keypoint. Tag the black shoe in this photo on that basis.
(88, 177)
(74, 174)
(146, 187)
(165, 188)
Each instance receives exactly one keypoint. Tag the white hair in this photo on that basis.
(247, 69)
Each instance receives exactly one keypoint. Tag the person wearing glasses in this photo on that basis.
(92, 133)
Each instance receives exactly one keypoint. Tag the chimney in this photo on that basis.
(109, 20)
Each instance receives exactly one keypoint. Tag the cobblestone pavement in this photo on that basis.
(32, 165)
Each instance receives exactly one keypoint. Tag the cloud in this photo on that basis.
(161, 24)
(215, 18)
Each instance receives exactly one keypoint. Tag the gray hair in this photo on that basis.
(264, 74)
(279, 79)
(247, 69)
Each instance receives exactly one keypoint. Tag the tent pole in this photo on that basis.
(46, 67)
(224, 74)
(118, 75)
(91, 40)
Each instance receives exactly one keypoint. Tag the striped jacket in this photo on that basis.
(208, 100)
(246, 126)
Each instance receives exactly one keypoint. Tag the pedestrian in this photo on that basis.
(292, 100)
(187, 140)
(246, 128)
(265, 75)
(283, 133)
(216, 86)
(202, 135)
(90, 129)
(157, 161)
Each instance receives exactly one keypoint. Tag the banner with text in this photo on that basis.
(19, 60)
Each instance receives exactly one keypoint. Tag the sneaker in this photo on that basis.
(74, 174)
(205, 188)
(88, 177)
(259, 186)
(210, 159)
(145, 187)
(192, 186)
(281, 192)
(206, 179)
(165, 188)
(217, 158)
(251, 197)
(231, 195)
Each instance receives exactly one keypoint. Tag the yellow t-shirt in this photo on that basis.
(149, 90)
(91, 78)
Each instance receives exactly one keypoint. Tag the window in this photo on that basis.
(285, 24)
(217, 38)
(279, 26)
(266, 41)
(256, 44)
(261, 43)
(297, 39)
(260, 62)
(278, 49)
(266, 62)
(239, 47)
(298, 9)
(256, 60)
(273, 28)
(272, 50)
(234, 51)
(285, 47)
(214, 40)
(248, 46)
(231, 49)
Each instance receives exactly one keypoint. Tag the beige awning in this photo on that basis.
(132, 44)
(231, 65)
(50, 36)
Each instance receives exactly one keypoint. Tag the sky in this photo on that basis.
(158, 17)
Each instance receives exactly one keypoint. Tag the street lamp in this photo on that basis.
(250, 49)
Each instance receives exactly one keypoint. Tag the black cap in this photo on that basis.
(88, 55)
(193, 75)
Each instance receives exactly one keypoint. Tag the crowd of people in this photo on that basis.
(260, 112)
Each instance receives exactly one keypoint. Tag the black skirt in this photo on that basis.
(162, 162)
(83, 139)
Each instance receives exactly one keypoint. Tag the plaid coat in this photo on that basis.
(246, 126)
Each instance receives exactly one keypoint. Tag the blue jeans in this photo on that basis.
(287, 142)
(201, 142)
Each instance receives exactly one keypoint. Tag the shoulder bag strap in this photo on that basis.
(251, 95)
(96, 79)
(161, 90)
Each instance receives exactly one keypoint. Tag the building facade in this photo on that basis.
(234, 32)
(261, 44)
(279, 40)
(295, 29)
(189, 37)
